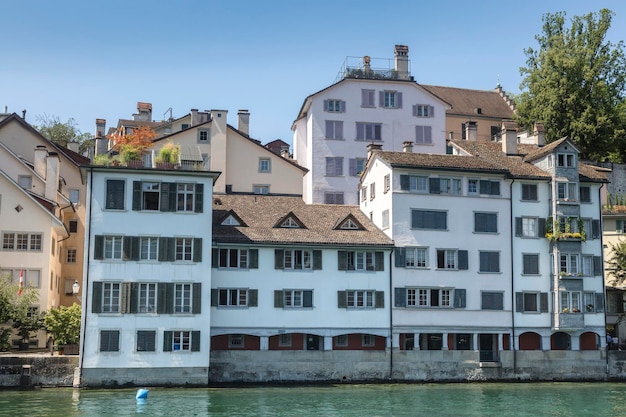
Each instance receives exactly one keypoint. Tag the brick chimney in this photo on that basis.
(509, 138)
(401, 53)
(471, 131)
(101, 142)
(52, 176)
(144, 112)
(373, 147)
(243, 122)
(407, 146)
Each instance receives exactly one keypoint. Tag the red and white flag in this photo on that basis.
(19, 291)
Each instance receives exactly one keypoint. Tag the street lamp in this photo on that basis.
(75, 287)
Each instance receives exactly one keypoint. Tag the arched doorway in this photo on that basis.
(589, 341)
(529, 341)
(560, 341)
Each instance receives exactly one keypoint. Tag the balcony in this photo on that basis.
(567, 320)
(371, 69)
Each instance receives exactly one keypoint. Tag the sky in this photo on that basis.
(86, 60)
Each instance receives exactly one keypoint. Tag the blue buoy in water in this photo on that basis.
(142, 394)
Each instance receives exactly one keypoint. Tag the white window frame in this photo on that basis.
(450, 258)
(147, 297)
(184, 249)
(416, 257)
(150, 189)
(239, 256)
(358, 260)
(148, 248)
(71, 255)
(111, 297)
(265, 165)
(119, 194)
(333, 130)
(570, 301)
(473, 187)
(530, 227)
(293, 298)
(298, 259)
(260, 189)
(235, 297)
(183, 298)
(185, 197)
(113, 247)
(181, 341)
(390, 99)
(360, 299)
(422, 297)
(567, 191)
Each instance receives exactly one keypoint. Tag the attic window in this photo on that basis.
(349, 225)
(479, 110)
(290, 223)
(230, 221)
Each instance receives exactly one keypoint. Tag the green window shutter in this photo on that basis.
(253, 262)
(215, 257)
(136, 195)
(171, 249)
(518, 226)
(599, 302)
(399, 295)
(169, 298)
(463, 262)
(161, 297)
(541, 227)
(307, 298)
(195, 341)
(167, 189)
(126, 247)
(197, 249)
(404, 182)
(619, 225)
(543, 302)
(597, 265)
(134, 248)
(199, 198)
(342, 299)
(196, 302)
(380, 299)
(278, 298)
(459, 298)
(400, 257)
(164, 251)
(134, 298)
(379, 261)
(253, 298)
(519, 302)
(279, 256)
(167, 341)
(433, 186)
(342, 260)
(96, 297)
(595, 229)
(214, 297)
(317, 259)
(98, 247)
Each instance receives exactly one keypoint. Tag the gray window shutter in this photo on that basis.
(279, 259)
(253, 262)
(199, 198)
(381, 98)
(130, 248)
(136, 195)
(599, 302)
(161, 298)
(463, 262)
(459, 298)
(317, 259)
(543, 302)
(342, 260)
(399, 100)
(619, 225)
(380, 299)
(352, 164)
(253, 298)
(278, 298)
(433, 185)
(485, 187)
(98, 247)
(195, 341)
(541, 227)
(214, 297)
(597, 265)
(96, 297)
(134, 297)
(431, 112)
(169, 297)
(196, 302)
(215, 257)
(519, 302)
(325, 105)
(342, 106)
(595, 229)
(399, 295)
(166, 249)
(518, 226)
(404, 182)
(125, 304)
(400, 255)
(495, 187)
(379, 261)
(167, 190)
(415, 110)
(441, 220)
(197, 249)
(307, 298)
(167, 341)
(342, 299)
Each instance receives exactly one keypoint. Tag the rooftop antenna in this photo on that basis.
(168, 110)
(498, 84)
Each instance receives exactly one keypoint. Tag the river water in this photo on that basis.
(475, 399)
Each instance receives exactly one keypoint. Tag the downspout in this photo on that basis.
(512, 220)
(603, 277)
(391, 315)
(85, 298)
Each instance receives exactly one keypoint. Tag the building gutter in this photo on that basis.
(512, 228)
(603, 278)
(391, 315)
(84, 298)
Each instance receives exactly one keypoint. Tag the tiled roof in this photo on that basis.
(447, 162)
(466, 101)
(261, 214)
(540, 152)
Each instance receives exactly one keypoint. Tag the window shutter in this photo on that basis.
(279, 259)
(307, 298)
(433, 185)
(381, 98)
(399, 295)
(199, 198)
(459, 298)
(165, 253)
(342, 106)
(195, 341)
(214, 297)
(342, 299)
(400, 255)
(338, 130)
(126, 248)
(169, 298)
(541, 226)
(134, 297)
(253, 298)
(197, 249)
(96, 298)
(404, 182)
(136, 195)
(415, 110)
(125, 300)
(543, 302)
(441, 220)
(428, 134)
(171, 249)
(463, 262)
(215, 258)
(278, 298)
(380, 299)
(317, 259)
(167, 341)
(253, 263)
(595, 229)
(518, 226)
(485, 187)
(619, 225)
(379, 260)
(161, 298)
(597, 265)
(431, 111)
(399, 100)
(342, 260)
(599, 302)
(495, 187)
(326, 105)
(519, 302)
(196, 302)
(167, 189)
(98, 247)
(352, 168)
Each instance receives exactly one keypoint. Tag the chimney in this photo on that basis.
(52, 176)
(401, 53)
(539, 134)
(373, 147)
(100, 140)
(285, 154)
(24, 114)
(73, 146)
(407, 146)
(100, 127)
(144, 112)
(194, 117)
(471, 131)
(41, 153)
(509, 138)
(243, 123)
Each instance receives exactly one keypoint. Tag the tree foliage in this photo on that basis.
(64, 324)
(575, 83)
(14, 310)
(61, 133)
(617, 263)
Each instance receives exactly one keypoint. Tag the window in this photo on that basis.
(204, 135)
(150, 195)
(298, 259)
(529, 227)
(184, 249)
(414, 183)
(233, 258)
(109, 340)
(570, 301)
(385, 219)
(489, 187)
(567, 191)
(423, 110)
(115, 194)
(530, 264)
(443, 185)
(451, 259)
(423, 135)
(185, 194)
(485, 222)
(333, 197)
(73, 226)
(233, 297)
(290, 223)
(350, 224)
(111, 294)
(182, 298)
(472, 186)
(568, 264)
(181, 341)
(148, 248)
(334, 129)
(265, 165)
(429, 219)
(368, 340)
(489, 261)
(334, 166)
(360, 298)
(235, 341)
(368, 131)
(387, 183)
(261, 189)
(566, 160)
(25, 181)
(390, 99)
(284, 340)
(146, 341)
(22, 241)
(334, 106)
(585, 194)
(357, 165)
(360, 261)
(293, 298)
(146, 297)
(429, 297)
(416, 258)
(531, 302)
(35, 241)
(529, 192)
(341, 340)
(492, 300)
(367, 98)
(593, 302)
(372, 191)
(74, 195)
(587, 265)
(113, 247)
(70, 257)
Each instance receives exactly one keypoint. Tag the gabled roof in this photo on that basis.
(262, 213)
(540, 152)
(436, 161)
(465, 101)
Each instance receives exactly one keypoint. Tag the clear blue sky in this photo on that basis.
(87, 60)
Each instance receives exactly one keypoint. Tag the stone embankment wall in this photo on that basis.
(37, 370)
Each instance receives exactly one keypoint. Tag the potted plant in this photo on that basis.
(63, 323)
(168, 156)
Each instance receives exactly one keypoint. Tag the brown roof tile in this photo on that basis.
(466, 101)
(447, 162)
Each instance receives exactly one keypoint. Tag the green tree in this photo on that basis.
(64, 324)
(617, 263)
(61, 133)
(575, 83)
(14, 308)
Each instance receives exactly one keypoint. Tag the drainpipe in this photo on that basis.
(391, 314)
(603, 282)
(512, 220)
(85, 298)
